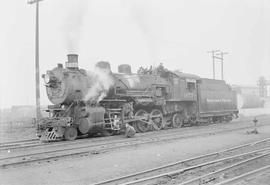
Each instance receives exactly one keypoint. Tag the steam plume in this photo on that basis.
(73, 26)
(141, 17)
(101, 81)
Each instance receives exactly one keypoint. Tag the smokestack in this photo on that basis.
(72, 62)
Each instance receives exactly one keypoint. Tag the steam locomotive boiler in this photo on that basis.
(76, 94)
(88, 103)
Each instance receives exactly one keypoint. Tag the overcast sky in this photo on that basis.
(177, 33)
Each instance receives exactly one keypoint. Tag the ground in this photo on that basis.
(261, 179)
(90, 169)
(95, 168)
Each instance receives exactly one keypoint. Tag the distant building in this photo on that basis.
(248, 96)
(254, 90)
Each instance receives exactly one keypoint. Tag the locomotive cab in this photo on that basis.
(184, 87)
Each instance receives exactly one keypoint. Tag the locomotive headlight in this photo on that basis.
(47, 78)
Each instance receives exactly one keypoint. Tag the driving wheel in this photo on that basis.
(70, 133)
(142, 126)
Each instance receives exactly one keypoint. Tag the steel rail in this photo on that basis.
(20, 145)
(135, 175)
(198, 179)
(39, 156)
(22, 159)
(245, 175)
(6, 145)
(90, 148)
(199, 166)
(143, 135)
(239, 120)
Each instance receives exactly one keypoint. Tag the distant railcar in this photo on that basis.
(250, 101)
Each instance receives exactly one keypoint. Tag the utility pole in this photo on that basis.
(213, 52)
(221, 58)
(38, 112)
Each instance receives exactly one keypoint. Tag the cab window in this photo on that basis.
(191, 86)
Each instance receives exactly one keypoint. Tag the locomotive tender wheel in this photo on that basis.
(142, 126)
(177, 120)
(228, 119)
(70, 133)
(157, 118)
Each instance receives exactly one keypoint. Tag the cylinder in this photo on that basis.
(84, 125)
(95, 119)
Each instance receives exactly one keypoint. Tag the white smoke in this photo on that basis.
(73, 25)
(101, 81)
(141, 16)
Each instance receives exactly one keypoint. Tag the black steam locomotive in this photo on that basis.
(103, 102)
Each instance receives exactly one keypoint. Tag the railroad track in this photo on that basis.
(54, 153)
(235, 172)
(244, 176)
(185, 170)
(11, 144)
(35, 143)
(19, 143)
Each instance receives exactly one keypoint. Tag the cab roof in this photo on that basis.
(186, 75)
